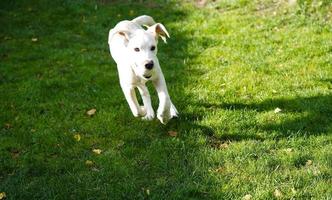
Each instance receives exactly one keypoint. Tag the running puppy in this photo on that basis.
(134, 49)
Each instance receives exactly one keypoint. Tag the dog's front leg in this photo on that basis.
(163, 112)
(146, 101)
(129, 92)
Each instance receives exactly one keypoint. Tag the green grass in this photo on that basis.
(228, 66)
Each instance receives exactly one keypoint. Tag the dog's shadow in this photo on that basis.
(314, 114)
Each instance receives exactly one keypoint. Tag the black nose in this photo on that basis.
(149, 65)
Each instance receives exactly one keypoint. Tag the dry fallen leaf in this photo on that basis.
(201, 3)
(289, 150)
(316, 171)
(91, 112)
(88, 162)
(2, 195)
(247, 197)
(223, 146)
(34, 39)
(77, 137)
(96, 151)
(277, 110)
(308, 163)
(292, 2)
(15, 153)
(277, 193)
(8, 125)
(172, 133)
(218, 170)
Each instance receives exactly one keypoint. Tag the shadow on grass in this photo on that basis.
(137, 156)
(315, 114)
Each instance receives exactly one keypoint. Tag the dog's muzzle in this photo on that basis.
(147, 76)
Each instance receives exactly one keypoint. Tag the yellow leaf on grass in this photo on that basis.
(2, 195)
(96, 151)
(91, 112)
(277, 193)
(289, 150)
(247, 197)
(88, 162)
(77, 137)
(277, 110)
(223, 146)
(292, 2)
(308, 163)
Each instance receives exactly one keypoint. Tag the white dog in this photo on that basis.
(134, 49)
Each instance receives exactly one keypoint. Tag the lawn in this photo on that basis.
(252, 81)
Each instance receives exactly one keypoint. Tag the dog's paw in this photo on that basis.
(149, 115)
(142, 111)
(136, 113)
(174, 111)
(164, 117)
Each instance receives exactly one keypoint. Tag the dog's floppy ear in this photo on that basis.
(160, 31)
(124, 33)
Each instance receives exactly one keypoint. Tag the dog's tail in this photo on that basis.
(144, 20)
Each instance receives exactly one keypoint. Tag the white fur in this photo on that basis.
(122, 40)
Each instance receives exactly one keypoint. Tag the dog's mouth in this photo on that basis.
(147, 76)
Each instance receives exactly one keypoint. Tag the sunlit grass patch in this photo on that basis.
(252, 81)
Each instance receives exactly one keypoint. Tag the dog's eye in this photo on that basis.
(153, 48)
(136, 49)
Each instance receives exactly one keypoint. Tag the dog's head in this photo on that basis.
(142, 48)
